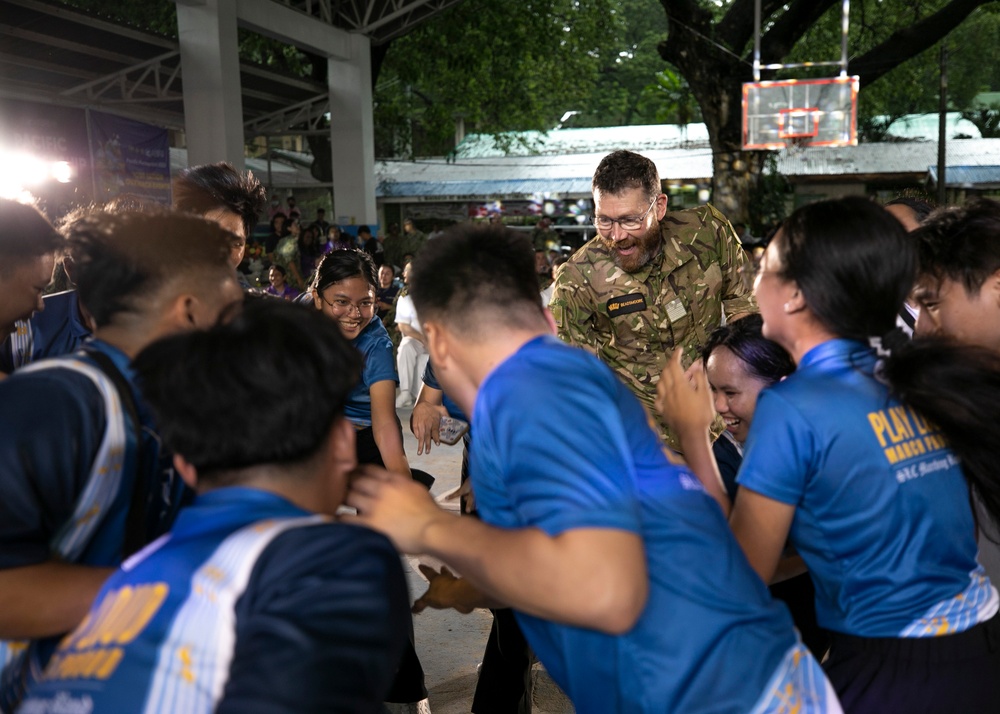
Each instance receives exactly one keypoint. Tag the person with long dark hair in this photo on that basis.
(858, 459)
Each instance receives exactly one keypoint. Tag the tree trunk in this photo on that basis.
(736, 174)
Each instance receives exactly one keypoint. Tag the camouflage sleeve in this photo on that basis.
(737, 270)
(572, 308)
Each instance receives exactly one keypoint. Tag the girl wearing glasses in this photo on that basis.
(858, 458)
(344, 290)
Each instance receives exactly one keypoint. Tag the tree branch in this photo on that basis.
(682, 17)
(735, 30)
(789, 28)
(908, 42)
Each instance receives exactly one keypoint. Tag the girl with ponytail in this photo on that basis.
(857, 458)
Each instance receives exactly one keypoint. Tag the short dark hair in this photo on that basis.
(622, 170)
(474, 268)
(853, 261)
(364, 229)
(340, 265)
(279, 268)
(210, 187)
(25, 233)
(206, 388)
(122, 258)
(961, 243)
(763, 358)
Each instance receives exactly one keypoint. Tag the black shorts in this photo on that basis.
(952, 674)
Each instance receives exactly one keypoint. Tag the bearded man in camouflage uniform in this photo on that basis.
(651, 280)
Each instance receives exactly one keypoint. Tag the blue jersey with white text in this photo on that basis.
(561, 444)
(882, 513)
(250, 604)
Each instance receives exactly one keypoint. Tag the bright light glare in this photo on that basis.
(62, 172)
(19, 170)
(26, 168)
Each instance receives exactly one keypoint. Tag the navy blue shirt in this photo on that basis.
(248, 605)
(56, 330)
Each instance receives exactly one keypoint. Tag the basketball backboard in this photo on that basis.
(800, 112)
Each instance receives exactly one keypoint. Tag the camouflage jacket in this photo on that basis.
(632, 321)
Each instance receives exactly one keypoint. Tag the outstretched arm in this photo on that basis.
(586, 577)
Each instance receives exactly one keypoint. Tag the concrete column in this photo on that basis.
(210, 66)
(352, 133)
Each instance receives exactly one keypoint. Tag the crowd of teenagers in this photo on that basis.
(698, 483)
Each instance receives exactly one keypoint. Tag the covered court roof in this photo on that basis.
(57, 54)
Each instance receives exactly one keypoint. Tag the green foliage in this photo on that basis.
(506, 65)
(670, 99)
(986, 118)
(498, 64)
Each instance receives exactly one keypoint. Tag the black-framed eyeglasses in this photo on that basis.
(628, 223)
(365, 307)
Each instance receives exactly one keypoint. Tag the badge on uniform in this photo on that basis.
(626, 304)
(675, 310)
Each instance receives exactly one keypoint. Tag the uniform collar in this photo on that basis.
(834, 350)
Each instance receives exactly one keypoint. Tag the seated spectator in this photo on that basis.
(386, 292)
(371, 245)
(84, 484)
(281, 609)
(28, 245)
(310, 251)
(411, 355)
(337, 239)
(321, 224)
(286, 254)
(278, 232)
(278, 287)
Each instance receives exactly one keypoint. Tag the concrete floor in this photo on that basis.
(450, 645)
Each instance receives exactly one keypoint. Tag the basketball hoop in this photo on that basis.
(795, 113)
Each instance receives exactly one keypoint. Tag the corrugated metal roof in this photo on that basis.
(566, 175)
(886, 158)
(510, 188)
(593, 140)
(967, 176)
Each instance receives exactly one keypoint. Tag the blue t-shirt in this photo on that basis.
(379, 365)
(248, 605)
(56, 330)
(882, 513)
(562, 444)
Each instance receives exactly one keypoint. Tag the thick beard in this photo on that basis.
(648, 243)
